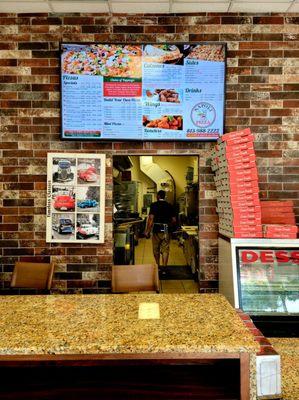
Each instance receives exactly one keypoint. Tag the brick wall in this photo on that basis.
(262, 92)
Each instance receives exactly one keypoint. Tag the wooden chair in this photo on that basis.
(32, 275)
(135, 278)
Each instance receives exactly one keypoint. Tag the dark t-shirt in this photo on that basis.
(163, 213)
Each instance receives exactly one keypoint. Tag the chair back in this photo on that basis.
(135, 278)
(32, 275)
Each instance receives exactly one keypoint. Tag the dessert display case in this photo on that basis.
(261, 276)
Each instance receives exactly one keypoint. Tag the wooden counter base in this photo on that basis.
(177, 376)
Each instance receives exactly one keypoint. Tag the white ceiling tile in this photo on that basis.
(79, 6)
(199, 7)
(138, 1)
(294, 8)
(144, 7)
(20, 6)
(201, 1)
(259, 7)
(264, 1)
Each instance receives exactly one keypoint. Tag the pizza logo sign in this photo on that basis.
(203, 115)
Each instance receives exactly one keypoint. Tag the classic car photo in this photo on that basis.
(64, 172)
(64, 225)
(86, 230)
(87, 173)
(87, 203)
(64, 203)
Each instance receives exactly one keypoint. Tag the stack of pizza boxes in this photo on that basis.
(236, 178)
(278, 219)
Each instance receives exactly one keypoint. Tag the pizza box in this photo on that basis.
(284, 220)
(238, 189)
(227, 186)
(231, 151)
(228, 167)
(241, 217)
(231, 170)
(238, 157)
(253, 184)
(244, 205)
(231, 159)
(253, 195)
(280, 213)
(238, 203)
(235, 173)
(236, 134)
(232, 141)
(243, 213)
(278, 204)
(280, 235)
(225, 146)
(277, 211)
(229, 147)
(235, 197)
(280, 228)
(243, 231)
(250, 223)
(240, 235)
(235, 190)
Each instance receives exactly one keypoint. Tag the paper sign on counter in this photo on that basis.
(149, 311)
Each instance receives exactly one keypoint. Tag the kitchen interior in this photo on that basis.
(137, 179)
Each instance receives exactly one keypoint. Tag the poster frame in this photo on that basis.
(76, 185)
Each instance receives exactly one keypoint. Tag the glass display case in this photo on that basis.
(261, 276)
(268, 280)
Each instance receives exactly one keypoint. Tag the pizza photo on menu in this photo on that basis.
(162, 53)
(109, 60)
(207, 52)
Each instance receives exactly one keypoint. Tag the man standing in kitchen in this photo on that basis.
(160, 219)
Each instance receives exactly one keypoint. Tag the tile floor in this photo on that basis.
(178, 286)
(144, 255)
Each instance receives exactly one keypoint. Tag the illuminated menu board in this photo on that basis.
(143, 92)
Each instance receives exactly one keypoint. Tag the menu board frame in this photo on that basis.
(75, 210)
(183, 139)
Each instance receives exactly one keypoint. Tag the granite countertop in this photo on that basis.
(93, 324)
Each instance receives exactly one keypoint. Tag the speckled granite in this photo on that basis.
(288, 348)
(85, 324)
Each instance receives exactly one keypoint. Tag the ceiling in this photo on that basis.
(148, 6)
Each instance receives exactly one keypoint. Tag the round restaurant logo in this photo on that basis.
(203, 115)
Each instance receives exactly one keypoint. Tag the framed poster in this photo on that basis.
(147, 91)
(75, 198)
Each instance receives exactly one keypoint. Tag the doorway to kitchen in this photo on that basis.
(137, 179)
